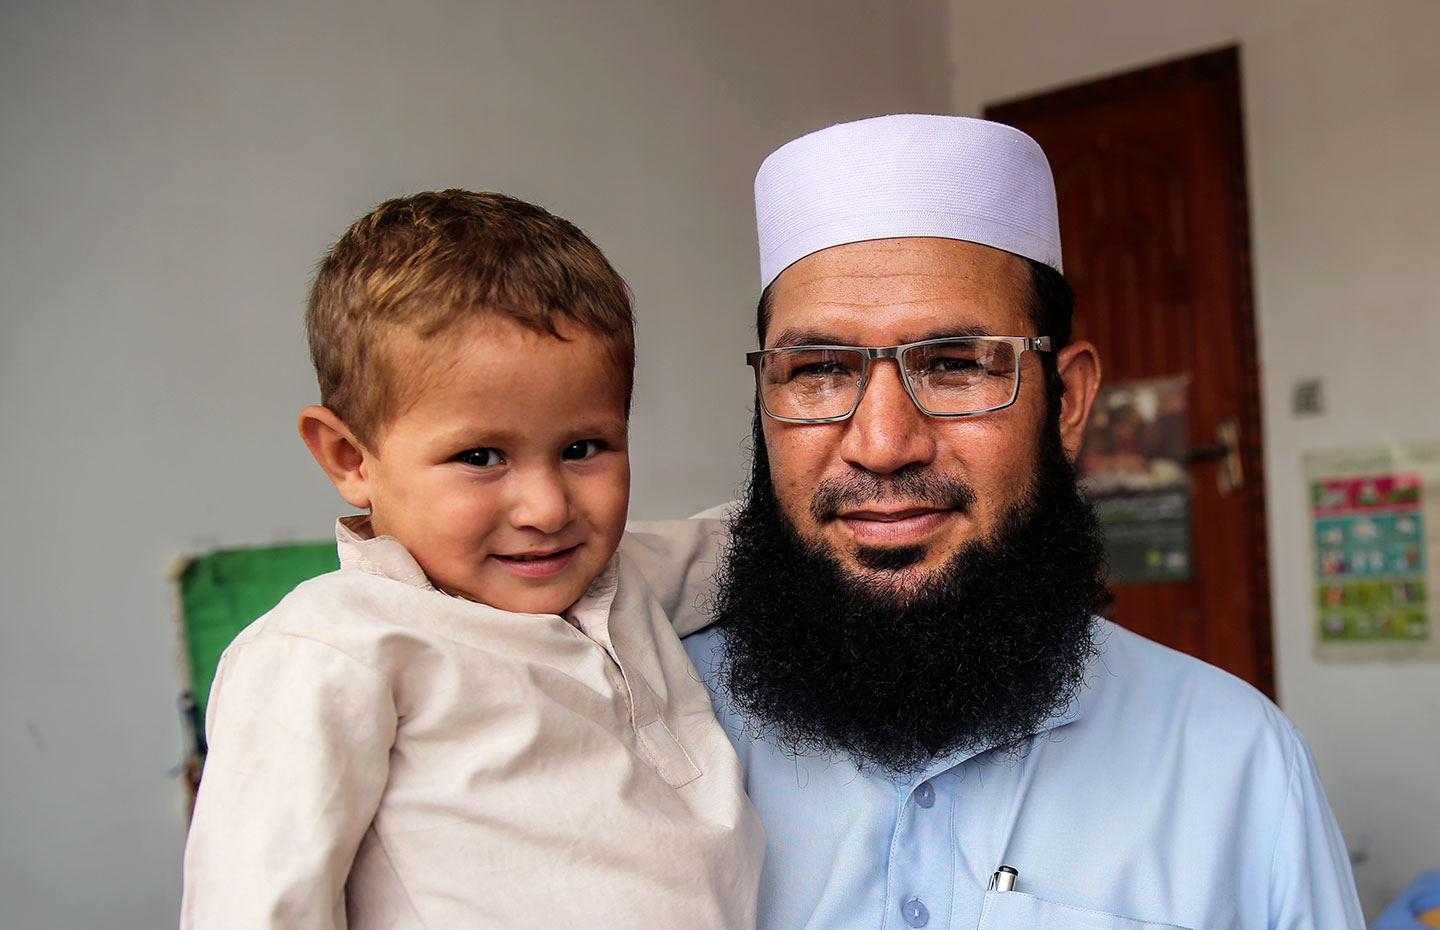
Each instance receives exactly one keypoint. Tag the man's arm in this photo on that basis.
(678, 559)
(1310, 880)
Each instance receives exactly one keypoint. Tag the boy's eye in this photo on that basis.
(481, 458)
(582, 449)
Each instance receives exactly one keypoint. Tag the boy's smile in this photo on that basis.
(506, 475)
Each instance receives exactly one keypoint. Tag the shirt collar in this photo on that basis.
(361, 549)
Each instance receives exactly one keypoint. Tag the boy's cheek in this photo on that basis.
(612, 503)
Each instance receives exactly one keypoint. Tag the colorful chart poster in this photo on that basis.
(1374, 540)
(1132, 467)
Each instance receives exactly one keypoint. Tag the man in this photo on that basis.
(936, 728)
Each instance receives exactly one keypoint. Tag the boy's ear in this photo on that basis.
(338, 452)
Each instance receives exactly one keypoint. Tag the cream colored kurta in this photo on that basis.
(385, 755)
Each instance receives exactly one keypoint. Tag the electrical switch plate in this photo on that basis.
(1309, 397)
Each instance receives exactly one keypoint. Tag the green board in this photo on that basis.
(220, 593)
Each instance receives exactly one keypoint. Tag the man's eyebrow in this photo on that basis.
(791, 336)
(794, 336)
(955, 330)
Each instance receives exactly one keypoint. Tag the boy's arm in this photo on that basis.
(678, 559)
(300, 735)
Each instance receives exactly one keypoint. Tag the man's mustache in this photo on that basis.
(911, 485)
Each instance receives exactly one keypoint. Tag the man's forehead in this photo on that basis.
(903, 290)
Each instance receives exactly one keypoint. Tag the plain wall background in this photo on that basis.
(1342, 126)
(173, 171)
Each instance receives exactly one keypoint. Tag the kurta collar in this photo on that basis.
(359, 548)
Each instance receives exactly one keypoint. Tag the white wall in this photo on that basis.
(172, 171)
(1343, 127)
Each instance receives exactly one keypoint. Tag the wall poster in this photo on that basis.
(1132, 467)
(1374, 518)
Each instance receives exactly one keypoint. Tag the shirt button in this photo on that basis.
(916, 913)
(925, 795)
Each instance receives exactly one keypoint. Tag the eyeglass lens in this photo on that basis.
(948, 377)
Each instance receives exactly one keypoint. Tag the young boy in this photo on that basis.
(484, 718)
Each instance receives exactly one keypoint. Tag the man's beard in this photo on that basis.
(894, 665)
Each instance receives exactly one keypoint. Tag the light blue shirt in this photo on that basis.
(1168, 794)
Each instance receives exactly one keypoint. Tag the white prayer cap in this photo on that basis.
(911, 175)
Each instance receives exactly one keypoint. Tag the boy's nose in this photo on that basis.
(540, 501)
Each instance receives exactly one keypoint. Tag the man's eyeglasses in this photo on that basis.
(953, 377)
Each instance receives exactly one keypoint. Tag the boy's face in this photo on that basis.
(507, 477)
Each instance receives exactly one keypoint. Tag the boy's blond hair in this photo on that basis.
(422, 265)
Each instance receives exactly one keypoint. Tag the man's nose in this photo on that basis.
(887, 431)
(539, 499)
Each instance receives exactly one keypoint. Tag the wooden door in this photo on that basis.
(1150, 173)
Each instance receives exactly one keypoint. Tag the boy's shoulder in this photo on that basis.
(337, 605)
(365, 599)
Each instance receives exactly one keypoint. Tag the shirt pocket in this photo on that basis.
(1014, 910)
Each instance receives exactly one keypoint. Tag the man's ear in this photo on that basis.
(339, 453)
(1079, 366)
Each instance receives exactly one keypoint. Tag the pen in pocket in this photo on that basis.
(1004, 879)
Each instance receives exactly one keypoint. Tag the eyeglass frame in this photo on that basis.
(1020, 345)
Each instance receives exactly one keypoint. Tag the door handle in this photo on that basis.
(1229, 476)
